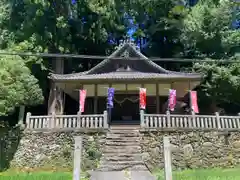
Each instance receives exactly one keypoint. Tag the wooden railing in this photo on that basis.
(189, 122)
(67, 122)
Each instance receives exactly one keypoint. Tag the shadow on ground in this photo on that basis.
(9, 140)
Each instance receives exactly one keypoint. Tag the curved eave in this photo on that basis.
(163, 77)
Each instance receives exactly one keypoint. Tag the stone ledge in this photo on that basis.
(66, 130)
(187, 130)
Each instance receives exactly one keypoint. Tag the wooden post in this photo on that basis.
(105, 119)
(238, 121)
(53, 120)
(21, 115)
(168, 115)
(79, 119)
(142, 118)
(167, 159)
(157, 99)
(193, 116)
(95, 108)
(77, 158)
(168, 118)
(218, 120)
(28, 119)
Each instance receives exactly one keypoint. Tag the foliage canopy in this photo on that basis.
(18, 86)
(162, 28)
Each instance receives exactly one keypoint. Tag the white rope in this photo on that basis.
(120, 102)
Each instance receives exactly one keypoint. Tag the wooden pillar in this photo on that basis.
(56, 95)
(189, 85)
(95, 99)
(157, 99)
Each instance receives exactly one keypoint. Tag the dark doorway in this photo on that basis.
(126, 109)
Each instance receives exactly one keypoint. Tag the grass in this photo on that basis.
(208, 174)
(13, 175)
(36, 176)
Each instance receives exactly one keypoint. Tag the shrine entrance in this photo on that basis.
(126, 109)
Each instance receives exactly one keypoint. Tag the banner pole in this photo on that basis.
(144, 110)
(79, 108)
(168, 110)
(190, 99)
(109, 108)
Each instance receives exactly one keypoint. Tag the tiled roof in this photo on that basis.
(123, 76)
(140, 69)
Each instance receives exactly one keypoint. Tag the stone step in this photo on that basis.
(123, 130)
(124, 154)
(129, 135)
(123, 139)
(125, 127)
(107, 158)
(114, 143)
(124, 163)
(123, 167)
(119, 148)
(108, 150)
(119, 136)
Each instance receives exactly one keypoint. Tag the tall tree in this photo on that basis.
(17, 85)
(221, 85)
(208, 31)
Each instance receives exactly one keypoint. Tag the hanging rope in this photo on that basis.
(120, 102)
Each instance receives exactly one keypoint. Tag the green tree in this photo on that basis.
(221, 85)
(207, 30)
(59, 27)
(17, 85)
(160, 22)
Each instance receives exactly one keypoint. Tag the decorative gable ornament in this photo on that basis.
(125, 54)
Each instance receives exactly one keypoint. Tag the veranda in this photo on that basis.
(126, 76)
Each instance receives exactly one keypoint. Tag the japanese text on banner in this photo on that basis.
(110, 97)
(194, 104)
(82, 97)
(142, 98)
(172, 99)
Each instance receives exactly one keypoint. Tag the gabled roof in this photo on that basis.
(143, 68)
(130, 48)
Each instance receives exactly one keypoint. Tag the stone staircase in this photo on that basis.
(122, 150)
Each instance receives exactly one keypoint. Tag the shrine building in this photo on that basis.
(126, 76)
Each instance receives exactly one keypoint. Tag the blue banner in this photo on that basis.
(110, 97)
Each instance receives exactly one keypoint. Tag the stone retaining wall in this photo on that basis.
(190, 150)
(193, 149)
(55, 150)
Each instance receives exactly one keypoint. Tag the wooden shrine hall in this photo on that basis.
(126, 76)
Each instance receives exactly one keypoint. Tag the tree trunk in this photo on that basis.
(56, 95)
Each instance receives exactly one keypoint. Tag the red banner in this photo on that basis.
(82, 97)
(142, 98)
(172, 99)
(194, 104)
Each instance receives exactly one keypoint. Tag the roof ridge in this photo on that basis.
(126, 46)
(150, 62)
(108, 59)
